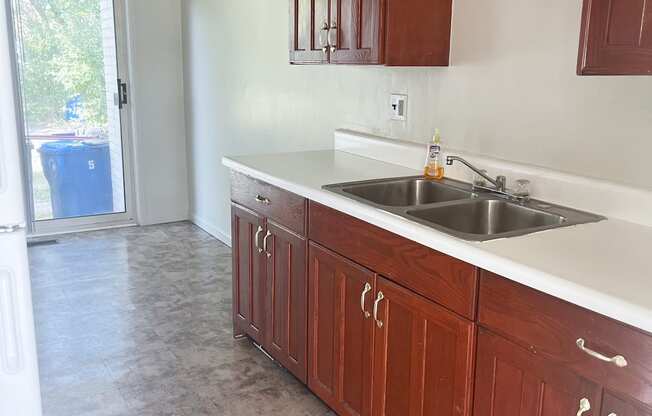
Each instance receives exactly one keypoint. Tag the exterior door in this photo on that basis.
(309, 24)
(340, 332)
(72, 87)
(355, 32)
(287, 293)
(423, 356)
(511, 381)
(249, 288)
(19, 383)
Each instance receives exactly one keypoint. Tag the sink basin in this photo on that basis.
(488, 218)
(406, 192)
(458, 209)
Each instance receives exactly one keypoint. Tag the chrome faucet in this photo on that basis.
(500, 182)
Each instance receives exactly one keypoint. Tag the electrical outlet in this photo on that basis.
(399, 107)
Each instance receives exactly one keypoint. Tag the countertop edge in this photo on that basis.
(470, 252)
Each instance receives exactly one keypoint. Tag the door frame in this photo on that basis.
(92, 222)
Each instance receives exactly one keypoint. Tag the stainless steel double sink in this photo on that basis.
(456, 208)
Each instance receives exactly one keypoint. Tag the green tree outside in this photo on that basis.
(60, 48)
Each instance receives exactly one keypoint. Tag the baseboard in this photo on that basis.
(211, 229)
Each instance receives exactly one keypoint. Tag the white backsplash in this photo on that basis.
(609, 199)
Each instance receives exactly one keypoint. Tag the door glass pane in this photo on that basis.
(68, 71)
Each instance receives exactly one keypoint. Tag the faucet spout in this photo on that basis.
(500, 182)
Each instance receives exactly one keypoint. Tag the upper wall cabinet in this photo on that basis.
(616, 38)
(373, 32)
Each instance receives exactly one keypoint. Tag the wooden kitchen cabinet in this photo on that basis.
(269, 270)
(341, 332)
(512, 381)
(379, 32)
(423, 356)
(613, 405)
(249, 288)
(616, 38)
(287, 289)
(309, 22)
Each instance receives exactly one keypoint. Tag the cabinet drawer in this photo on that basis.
(436, 276)
(282, 206)
(552, 327)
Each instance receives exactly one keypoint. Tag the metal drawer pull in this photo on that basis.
(378, 299)
(618, 360)
(257, 238)
(262, 200)
(585, 406)
(269, 234)
(612, 414)
(367, 289)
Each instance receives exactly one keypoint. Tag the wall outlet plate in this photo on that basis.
(398, 107)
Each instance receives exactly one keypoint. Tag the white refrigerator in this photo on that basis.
(19, 383)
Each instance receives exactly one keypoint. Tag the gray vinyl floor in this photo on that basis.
(137, 322)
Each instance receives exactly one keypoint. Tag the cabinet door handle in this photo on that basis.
(379, 298)
(269, 234)
(367, 289)
(585, 406)
(323, 37)
(257, 238)
(612, 414)
(261, 199)
(617, 360)
(332, 43)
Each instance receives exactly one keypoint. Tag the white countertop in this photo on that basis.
(604, 267)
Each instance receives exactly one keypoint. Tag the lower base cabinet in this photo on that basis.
(512, 381)
(423, 356)
(613, 405)
(371, 346)
(379, 349)
(340, 332)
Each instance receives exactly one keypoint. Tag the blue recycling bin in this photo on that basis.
(79, 174)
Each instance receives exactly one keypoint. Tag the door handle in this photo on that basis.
(261, 199)
(269, 234)
(333, 43)
(379, 298)
(367, 289)
(11, 228)
(617, 360)
(10, 348)
(585, 406)
(122, 94)
(323, 37)
(257, 237)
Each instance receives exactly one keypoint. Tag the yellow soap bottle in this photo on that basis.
(434, 168)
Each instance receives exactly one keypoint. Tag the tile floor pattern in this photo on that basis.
(137, 322)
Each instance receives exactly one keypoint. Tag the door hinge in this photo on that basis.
(122, 94)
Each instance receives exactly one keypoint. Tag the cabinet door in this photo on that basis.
(287, 298)
(340, 332)
(616, 38)
(355, 32)
(309, 22)
(615, 406)
(511, 381)
(247, 230)
(423, 356)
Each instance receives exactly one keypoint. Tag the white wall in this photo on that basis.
(511, 93)
(156, 80)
